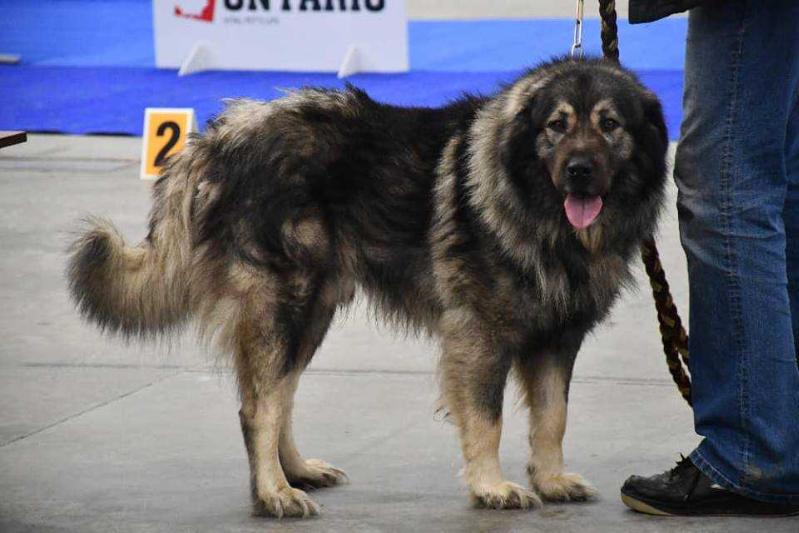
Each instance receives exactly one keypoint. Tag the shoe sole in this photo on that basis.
(646, 508)
(641, 507)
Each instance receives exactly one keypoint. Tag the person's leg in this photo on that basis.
(791, 218)
(736, 159)
(742, 72)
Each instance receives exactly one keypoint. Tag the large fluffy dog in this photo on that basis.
(502, 225)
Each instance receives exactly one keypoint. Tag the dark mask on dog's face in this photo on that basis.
(591, 129)
(583, 141)
(576, 144)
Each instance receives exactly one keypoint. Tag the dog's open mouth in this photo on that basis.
(582, 210)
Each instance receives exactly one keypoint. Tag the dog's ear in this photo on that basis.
(652, 139)
(521, 96)
(518, 111)
(654, 122)
(516, 149)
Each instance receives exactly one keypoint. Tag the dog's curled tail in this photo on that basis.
(139, 291)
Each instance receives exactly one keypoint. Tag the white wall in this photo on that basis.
(449, 9)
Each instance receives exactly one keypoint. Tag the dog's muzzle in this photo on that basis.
(581, 177)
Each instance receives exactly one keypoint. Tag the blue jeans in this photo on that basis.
(737, 170)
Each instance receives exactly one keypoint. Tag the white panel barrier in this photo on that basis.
(344, 36)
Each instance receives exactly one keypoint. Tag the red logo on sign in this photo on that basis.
(206, 14)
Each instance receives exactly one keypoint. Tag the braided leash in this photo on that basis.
(672, 332)
(675, 341)
(610, 31)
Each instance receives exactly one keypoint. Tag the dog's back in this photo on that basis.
(330, 184)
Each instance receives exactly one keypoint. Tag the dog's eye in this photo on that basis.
(608, 124)
(557, 124)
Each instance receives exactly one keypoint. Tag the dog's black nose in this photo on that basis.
(579, 167)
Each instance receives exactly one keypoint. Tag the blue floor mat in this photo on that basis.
(112, 99)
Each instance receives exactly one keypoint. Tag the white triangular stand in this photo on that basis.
(351, 63)
(9, 59)
(199, 59)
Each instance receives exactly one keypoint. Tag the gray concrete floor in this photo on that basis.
(98, 435)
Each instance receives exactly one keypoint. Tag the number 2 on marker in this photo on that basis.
(165, 133)
(174, 130)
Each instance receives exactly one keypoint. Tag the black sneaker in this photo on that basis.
(686, 491)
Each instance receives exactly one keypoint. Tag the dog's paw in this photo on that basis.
(315, 473)
(288, 502)
(504, 495)
(563, 488)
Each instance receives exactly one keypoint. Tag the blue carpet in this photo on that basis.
(78, 32)
(87, 65)
(112, 99)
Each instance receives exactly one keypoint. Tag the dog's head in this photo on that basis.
(593, 130)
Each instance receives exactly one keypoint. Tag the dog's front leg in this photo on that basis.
(545, 381)
(474, 372)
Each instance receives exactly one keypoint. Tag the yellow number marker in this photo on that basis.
(165, 133)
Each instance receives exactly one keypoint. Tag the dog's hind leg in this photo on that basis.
(474, 371)
(545, 381)
(261, 416)
(271, 343)
(311, 473)
(305, 473)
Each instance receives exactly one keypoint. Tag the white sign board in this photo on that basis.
(289, 35)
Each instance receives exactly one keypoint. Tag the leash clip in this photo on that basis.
(577, 42)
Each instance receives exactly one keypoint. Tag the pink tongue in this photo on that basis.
(581, 212)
